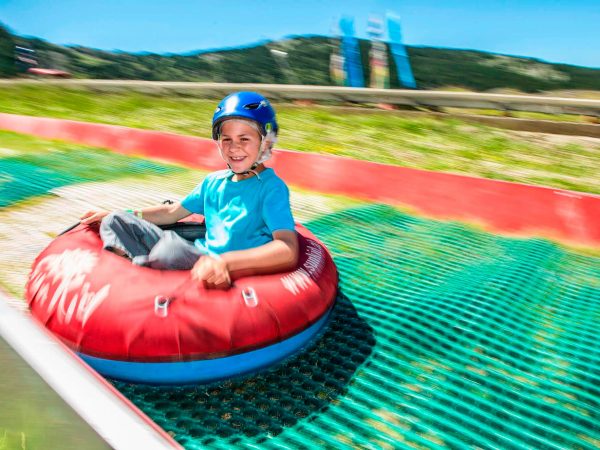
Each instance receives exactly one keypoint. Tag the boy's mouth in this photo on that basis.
(237, 158)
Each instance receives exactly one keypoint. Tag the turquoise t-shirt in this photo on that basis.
(240, 215)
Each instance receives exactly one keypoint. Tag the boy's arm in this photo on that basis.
(279, 255)
(164, 214)
(160, 215)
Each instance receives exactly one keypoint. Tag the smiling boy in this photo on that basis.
(249, 224)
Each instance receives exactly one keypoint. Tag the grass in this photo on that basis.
(33, 416)
(442, 144)
(577, 118)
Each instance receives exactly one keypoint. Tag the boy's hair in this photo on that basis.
(248, 122)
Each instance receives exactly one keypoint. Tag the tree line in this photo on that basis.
(307, 62)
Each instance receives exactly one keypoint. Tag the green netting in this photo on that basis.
(30, 175)
(443, 336)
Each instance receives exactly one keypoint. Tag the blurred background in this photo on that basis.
(528, 46)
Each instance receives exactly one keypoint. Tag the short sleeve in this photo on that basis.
(277, 212)
(194, 202)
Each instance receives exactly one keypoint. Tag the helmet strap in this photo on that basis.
(246, 172)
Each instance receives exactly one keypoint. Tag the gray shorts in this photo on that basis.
(147, 244)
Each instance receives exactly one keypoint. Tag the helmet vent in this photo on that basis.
(252, 106)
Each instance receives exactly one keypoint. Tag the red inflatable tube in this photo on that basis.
(101, 305)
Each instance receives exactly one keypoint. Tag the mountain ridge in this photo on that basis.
(307, 62)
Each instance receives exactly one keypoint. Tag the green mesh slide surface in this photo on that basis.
(442, 337)
(30, 175)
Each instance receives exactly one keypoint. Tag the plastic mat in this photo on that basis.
(29, 175)
(443, 336)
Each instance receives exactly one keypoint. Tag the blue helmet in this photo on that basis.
(245, 105)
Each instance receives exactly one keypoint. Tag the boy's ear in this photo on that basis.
(269, 144)
(271, 139)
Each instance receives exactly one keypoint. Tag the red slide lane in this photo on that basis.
(498, 206)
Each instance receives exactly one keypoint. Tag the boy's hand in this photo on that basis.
(93, 216)
(212, 272)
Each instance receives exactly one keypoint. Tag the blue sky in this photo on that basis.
(555, 31)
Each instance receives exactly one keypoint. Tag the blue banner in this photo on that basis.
(405, 75)
(351, 54)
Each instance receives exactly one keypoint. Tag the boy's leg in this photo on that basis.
(172, 252)
(126, 232)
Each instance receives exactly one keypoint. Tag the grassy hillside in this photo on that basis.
(7, 45)
(307, 63)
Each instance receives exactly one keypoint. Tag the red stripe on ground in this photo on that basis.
(499, 206)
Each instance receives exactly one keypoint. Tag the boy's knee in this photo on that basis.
(115, 222)
(114, 217)
(119, 215)
(164, 258)
(171, 253)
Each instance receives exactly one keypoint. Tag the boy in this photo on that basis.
(249, 224)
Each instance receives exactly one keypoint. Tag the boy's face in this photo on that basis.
(240, 144)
